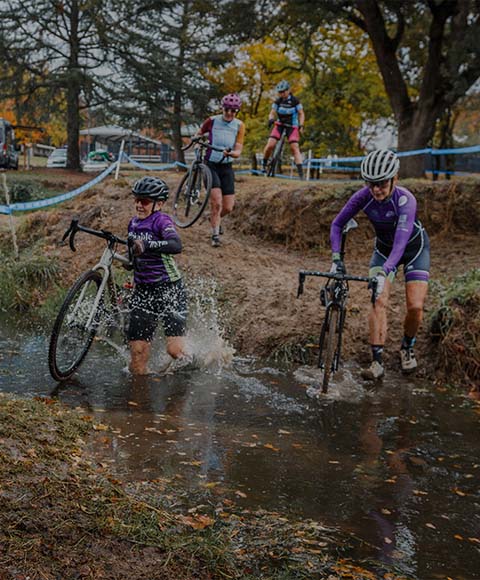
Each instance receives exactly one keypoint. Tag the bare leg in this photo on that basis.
(215, 208)
(378, 317)
(139, 356)
(176, 346)
(297, 156)
(228, 201)
(269, 147)
(416, 292)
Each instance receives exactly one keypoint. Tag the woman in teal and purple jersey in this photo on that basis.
(400, 239)
(227, 132)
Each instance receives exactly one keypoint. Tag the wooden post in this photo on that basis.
(119, 160)
(10, 216)
(309, 161)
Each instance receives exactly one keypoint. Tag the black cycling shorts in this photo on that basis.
(223, 177)
(166, 301)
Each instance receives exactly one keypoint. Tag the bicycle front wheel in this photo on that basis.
(75, 326)
(192, 195)
(330, 343)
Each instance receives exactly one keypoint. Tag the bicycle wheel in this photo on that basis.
(71, 337)
(192, 195)
(330, 343)
(276, 158)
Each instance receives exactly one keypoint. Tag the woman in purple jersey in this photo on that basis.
(159, 293)
(400, 239)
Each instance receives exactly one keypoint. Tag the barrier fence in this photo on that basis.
(311, 164)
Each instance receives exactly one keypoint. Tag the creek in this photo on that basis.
(397, 463)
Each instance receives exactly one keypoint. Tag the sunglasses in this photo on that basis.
(381, 184)
(229, 110)
(143, 201)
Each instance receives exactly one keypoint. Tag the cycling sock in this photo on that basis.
(300, 170)
(377, 352)
(408, 341)
(216, 231)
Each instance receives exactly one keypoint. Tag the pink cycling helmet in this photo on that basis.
(231, 101)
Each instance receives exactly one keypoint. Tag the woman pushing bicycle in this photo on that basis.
(227, 132)
(400, 239)
(159, 291)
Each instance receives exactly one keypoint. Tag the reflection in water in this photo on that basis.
(397, 463)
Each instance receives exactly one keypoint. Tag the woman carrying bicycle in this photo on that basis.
(227, 132)
(400, 239)
(159, 291)
(286, 109)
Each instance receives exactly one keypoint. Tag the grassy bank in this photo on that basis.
(63, 515)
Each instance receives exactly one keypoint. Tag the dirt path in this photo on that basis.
(278, 227)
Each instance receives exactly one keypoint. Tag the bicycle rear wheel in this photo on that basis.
(192, 195)
(330, 343)
(72, 336)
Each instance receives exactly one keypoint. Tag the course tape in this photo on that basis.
(29, 205)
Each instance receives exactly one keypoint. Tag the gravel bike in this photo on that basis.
(94, 306)
(275, 161)
(192, 194)
(334, 297)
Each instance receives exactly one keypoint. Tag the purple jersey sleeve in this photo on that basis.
(356, 203)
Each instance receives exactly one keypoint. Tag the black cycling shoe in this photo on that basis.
(216, 243)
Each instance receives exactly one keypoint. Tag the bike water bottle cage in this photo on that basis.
(152, 188)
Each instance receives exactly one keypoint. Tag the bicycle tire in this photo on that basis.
(330, 346)
(276, 158)
(192, 196)
(67, 350)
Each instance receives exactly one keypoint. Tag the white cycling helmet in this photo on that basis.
(379, 165)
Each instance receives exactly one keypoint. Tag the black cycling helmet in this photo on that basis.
(153, 188)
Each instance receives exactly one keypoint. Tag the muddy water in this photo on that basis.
(397, 464)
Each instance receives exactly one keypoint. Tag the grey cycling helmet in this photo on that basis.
(152, 188)
(379, 165)
(283, 86)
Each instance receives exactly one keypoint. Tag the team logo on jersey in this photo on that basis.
(402, 200)
(390, 214)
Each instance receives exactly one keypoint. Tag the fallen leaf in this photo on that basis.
(133, 403)
(270, 446)
(431, 526)
(387, 540)
(283, 432)
(458, 537)
(240, 493)
(100, 427)
(198, 522)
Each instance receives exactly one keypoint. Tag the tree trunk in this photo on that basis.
(177, 127)
(73, 81)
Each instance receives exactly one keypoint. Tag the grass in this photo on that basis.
(455, 327)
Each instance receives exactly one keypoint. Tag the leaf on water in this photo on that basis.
(283, 432)
(431, 526)
(458, 537)
(459, 492)
(270, 446)
(474, 540)
(132, 403)
(420, 492)
(240, 493)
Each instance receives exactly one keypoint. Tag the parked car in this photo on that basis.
(97, 161)
(57, 158)
(8, 147)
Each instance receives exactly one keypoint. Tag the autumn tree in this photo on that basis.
(427, 52)
(54, 49)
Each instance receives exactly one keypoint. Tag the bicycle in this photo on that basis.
(192, 194)
(94, 304)
(334, 297)
(275, 161)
